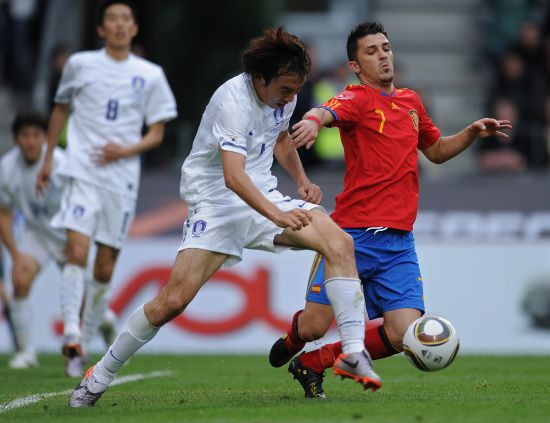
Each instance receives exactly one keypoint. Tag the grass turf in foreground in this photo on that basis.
(247, 389)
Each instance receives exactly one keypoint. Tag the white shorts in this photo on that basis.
(105, 216)
(230, 229)
(40, 248)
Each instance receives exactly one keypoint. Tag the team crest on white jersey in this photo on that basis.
(198, 228)
(78, 212)
(138, 83)
(278, 115)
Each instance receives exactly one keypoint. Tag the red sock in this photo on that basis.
(376, 343)
(293, 342)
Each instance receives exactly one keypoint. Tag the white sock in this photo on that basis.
(22, 322)
(348, 305)
(136, 332)
(72, 293)
(95, 306)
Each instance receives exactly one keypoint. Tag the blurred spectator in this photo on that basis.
(328, 147)
(58, 57)
(521, 92)
(305, 102)
(16, 17)
(497, 155)
(531, 50)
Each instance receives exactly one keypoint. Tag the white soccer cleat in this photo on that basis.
(357, 366)
(88, 391)
(74, 360)
(74, 366)
(23, 360)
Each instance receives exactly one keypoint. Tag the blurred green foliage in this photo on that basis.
(198, 45)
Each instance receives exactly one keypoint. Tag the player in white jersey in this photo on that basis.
(110, 94)
(39, 242)
(233, 204)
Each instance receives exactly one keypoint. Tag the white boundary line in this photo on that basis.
(31, 399)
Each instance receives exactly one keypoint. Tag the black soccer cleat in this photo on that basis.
(311, 381)
(279, 354)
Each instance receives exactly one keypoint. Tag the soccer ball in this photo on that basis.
(431, 343)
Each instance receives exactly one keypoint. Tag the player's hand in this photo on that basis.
(488, 127)
(294, 219)
(304, 133)
(310, 192)
(43, 179)
(108, 153)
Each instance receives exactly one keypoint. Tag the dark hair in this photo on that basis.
(108, 3)
(360, 31)
(28, 118)
(275, 53)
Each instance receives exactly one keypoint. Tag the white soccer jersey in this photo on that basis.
(110, 101)
(18, 191)
(234, 120)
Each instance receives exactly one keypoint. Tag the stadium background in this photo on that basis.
(483, 232)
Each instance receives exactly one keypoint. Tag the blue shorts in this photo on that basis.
(388, 269)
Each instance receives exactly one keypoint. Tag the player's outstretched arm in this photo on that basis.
(305, 132)
(288, 158)
(237, 180)
(112, 151)
(445, 148)
(59, 116)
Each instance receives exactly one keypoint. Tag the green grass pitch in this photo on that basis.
(246, 389)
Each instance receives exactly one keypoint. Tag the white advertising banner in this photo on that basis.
(487, 290)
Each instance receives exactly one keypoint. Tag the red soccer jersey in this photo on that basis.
(381, 135)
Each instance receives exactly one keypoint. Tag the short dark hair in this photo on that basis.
(108, 3)
(275, 53)
(28, 118)
(360, 31)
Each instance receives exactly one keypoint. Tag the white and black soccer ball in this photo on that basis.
(431, 343)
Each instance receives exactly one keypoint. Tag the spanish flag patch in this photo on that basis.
(316, 289)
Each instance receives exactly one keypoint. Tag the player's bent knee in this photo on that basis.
(395, 335)
(103, 272)
(77, 255)
(341, 249)
(21, 291)
(310, 333)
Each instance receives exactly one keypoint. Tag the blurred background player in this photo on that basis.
(5, 303)
(234, 204)
(109, 93)
(39, 242)
(382, 128)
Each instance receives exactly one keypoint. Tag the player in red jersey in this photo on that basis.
(382, 128)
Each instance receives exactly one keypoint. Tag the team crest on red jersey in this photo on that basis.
(345, 95)
(414, 117)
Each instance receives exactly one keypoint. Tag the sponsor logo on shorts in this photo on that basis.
(198, 228)
(78, 212)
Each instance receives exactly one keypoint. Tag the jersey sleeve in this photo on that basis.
(428, 133)
(230, 129)
(343, 107)
(161, 104)
(67, 83)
